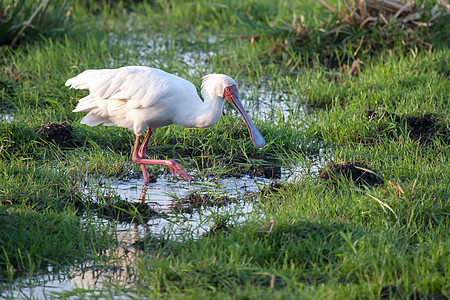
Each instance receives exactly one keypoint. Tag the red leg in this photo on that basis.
(139, 158)
(143, 147)
(142, 154)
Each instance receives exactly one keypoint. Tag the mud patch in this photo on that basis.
(149, 242)
(266, 171)
(239, 166)
(358, 172)
(421, 128)
(196, 200)
(59, 133)
(121, 211)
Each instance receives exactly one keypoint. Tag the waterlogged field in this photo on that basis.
(348, 199)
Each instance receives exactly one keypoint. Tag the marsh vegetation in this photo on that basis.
(348, 199)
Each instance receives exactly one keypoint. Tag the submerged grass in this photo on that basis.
(39, 227)
(32, 241)
(308, 238)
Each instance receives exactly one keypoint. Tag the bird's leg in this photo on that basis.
(138, 157)
(142, 154)
(143, 148)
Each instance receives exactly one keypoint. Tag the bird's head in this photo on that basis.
(223, 86)
(215, 84)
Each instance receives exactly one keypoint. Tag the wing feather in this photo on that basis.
(132, 97)
(140, 86)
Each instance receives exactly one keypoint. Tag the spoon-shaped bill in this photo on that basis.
(255, 135)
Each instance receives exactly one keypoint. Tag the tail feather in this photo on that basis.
(86, 104)
(109, 100)
(94, 120)
(83, 80)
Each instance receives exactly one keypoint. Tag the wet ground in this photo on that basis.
(419, 128)
(167, 198)
(180, 207)
(170, 206)
(142, 212)
(359, 172)
(88, 277)
(59, 133)
(5, 117)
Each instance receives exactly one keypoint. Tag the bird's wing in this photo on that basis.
(140, 87)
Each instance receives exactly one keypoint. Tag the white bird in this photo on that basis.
(137, 98)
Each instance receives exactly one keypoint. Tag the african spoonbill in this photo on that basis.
(138, 97)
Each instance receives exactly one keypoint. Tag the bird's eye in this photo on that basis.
(227, 89)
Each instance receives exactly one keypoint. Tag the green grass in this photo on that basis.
(328, 240)
(38, 222)
(32, 240)
(25, 21)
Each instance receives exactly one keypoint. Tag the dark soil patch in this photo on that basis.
(266, 171)
(421, 128)
(129, 212)
(149, 242)
(59, 133)
(195, 201)
(358, 172)
(120, 210)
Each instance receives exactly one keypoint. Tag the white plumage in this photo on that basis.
(140, 97)
(137, 98)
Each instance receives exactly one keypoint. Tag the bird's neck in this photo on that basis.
(210, 112)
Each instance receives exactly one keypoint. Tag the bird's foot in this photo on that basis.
(174, 167)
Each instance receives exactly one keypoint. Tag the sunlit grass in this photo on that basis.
(307, 238)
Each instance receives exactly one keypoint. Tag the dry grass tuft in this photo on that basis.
(387, 17)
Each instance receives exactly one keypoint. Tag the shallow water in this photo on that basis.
(164, 193)
(89, 279)
(161, 195)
